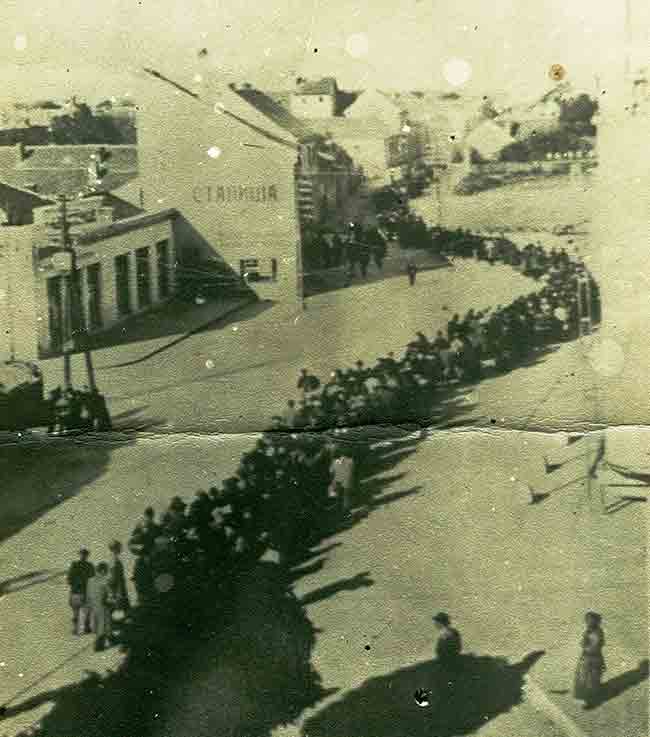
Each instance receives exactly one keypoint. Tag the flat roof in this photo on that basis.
(124, 226)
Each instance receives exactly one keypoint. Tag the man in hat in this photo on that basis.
(79, 573)
(449, 645)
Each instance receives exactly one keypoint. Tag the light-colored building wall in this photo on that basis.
(18, 294)
(234, 184)
(102, 252)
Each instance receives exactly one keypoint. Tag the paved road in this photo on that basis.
(445, 547)
(234, 377)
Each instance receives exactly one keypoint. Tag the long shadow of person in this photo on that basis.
(423, 700)
(616, 686)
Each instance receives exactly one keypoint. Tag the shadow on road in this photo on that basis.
(17, 583)
(453, 704)
(180, 324)
(619, 684)
(38, 475)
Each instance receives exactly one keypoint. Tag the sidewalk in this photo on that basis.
(145, 336)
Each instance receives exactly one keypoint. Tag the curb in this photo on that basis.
(183, 336)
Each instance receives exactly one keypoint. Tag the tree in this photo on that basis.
(576, 113)
(83, 127)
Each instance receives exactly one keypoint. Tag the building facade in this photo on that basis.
(125, 267)
(244, 174)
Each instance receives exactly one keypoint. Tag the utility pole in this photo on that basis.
(75, 324)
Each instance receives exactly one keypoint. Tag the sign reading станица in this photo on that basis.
(234, 193)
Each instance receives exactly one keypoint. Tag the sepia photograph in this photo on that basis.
(324, 407)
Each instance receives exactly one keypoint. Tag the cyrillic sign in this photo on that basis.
(211, 193)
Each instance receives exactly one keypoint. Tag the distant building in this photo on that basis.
(27, 115)
(17, 205)
(376, 105)
(56, 170)
(114, 108)
(364, 140)
(317, 99)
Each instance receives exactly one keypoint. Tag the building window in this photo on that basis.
(251, 270)
(162, 259)
(55, 312)
(122, 285)
(94, 305)
(143, 276)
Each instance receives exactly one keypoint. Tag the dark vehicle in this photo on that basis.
(22, 403)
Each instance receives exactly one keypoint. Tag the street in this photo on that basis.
(459, 513)
(210, 382)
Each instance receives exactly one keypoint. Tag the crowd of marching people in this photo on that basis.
(77, 409)
(295, 485)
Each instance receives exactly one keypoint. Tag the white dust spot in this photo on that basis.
(20, 42)
(214, 152)
(607, 357)
(457, 72)
(209, 363)
(198, 78)
(235, 329)
(357, 45)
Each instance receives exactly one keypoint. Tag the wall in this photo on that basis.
(104, 252)
(313, 106)
(240, 203)
(18, 312)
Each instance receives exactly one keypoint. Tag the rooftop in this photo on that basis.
(274, 110)
(124, 226)
(324, 86)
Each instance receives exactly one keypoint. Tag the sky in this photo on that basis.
(52, 48)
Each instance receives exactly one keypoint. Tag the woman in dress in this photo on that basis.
(591, 664)
(117, 579)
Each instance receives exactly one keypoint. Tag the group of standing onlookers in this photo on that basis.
(97, 592)
(74, 409)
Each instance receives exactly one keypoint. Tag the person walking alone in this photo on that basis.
(79, 573)
(411, 270)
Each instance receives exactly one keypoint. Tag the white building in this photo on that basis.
(125, 267)
(374, 104)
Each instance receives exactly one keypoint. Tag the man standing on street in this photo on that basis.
(79, 573)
